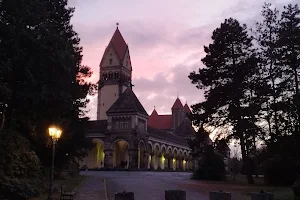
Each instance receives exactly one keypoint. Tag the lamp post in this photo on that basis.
(55, 134)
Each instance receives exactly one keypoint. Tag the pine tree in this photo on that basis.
(231, 64)
(289, 53)
(266, 35)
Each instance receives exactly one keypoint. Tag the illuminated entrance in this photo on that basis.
(120, 156)
(95, 157)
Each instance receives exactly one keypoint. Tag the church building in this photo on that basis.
(125, 136)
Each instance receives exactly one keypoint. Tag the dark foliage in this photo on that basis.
(20, 168)
(210, 167)
(296, 188)
(42, 76)
(42, 82)
(255, 91)
(228, 79)
(280, 170)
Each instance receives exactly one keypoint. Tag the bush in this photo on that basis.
(280, 170)
(20, 169)
(210, 167)
(296, 188)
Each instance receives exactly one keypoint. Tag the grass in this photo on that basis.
(71, 184)
(240, 189)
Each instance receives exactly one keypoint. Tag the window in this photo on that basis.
(105, 76)
(102, 104)
(110, 61)
(126, 125)
(110, 75)
(117, 125)
(121, 124)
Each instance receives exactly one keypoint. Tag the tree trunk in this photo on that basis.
(2, 122)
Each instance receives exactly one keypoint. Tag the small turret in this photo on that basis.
(177, 113)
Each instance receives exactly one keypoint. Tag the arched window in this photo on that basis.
(115, 75)
(110, 75)
(110, 61)
(104, 75)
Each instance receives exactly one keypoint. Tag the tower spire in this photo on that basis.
(117, 24)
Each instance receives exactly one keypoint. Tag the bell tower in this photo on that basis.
(115, 74)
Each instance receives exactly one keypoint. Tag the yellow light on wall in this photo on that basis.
(163, 158)
(184, 161)
(174, 160)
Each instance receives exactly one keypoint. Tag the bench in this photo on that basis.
(66, 195)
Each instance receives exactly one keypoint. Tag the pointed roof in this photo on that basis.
(119, 44)
(127, 103)
(186, 108)
(177, 104)
(185, 129)
(154, 112)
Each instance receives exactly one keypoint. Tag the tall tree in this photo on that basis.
(230, 65)
(289, 53)
(266, 36)
(41, 57)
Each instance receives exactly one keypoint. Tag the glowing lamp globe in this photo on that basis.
(54, 132)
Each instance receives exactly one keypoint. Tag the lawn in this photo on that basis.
(71, 184)
(240, 189)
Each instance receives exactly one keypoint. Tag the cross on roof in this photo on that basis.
(117, 24)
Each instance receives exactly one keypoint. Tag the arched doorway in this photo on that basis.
(120, 156)
(95, 158)
(142, 155)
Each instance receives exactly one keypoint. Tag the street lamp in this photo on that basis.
(55, 134)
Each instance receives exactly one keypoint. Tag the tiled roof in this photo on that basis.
(160, 121)
(185, 129)
(97, 125)
(119, 44)
(186, 108)
(127, 103)
(163, 135)
(177, 104)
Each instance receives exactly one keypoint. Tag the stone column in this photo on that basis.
(166, 162)
(124, 196)
(108, 158)
(175, 195)
(262, 196)
(169, 162)
(219, 195)
(133, 159)
(145, 161)
(159, 161)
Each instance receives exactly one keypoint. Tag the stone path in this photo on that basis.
(91, 189)
(147, 185)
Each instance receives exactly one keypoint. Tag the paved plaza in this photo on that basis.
(145, 185)
(102, 185)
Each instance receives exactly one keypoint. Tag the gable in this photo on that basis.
(127, 103)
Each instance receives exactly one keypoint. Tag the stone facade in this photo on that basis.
(122, 133)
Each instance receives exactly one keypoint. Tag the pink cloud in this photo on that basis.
(165, 38)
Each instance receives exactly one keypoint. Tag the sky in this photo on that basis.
(165, 40)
